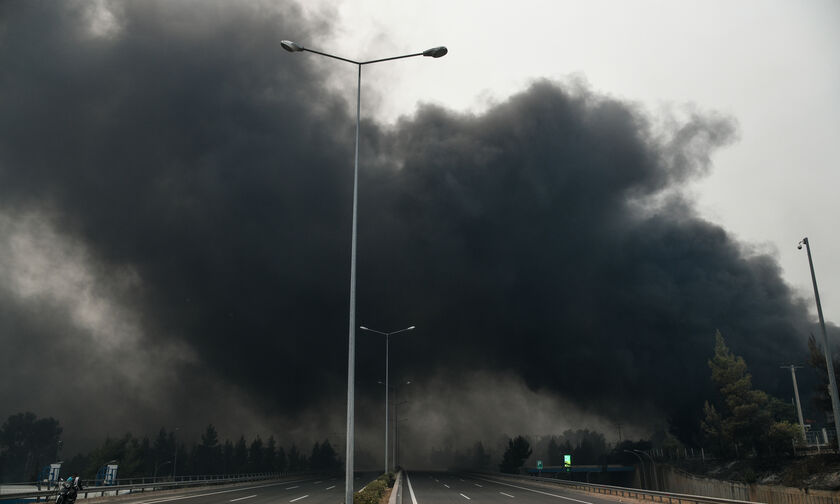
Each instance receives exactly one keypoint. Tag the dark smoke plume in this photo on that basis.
(175, 196)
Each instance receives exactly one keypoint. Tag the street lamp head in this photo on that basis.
(804, 240)
(292, 46)
(410, 328)
(364, 328)
(436, 52)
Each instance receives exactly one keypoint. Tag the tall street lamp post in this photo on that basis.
(829, 365)
(435, 52)
(387, 337)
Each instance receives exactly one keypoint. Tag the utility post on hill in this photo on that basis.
(796, 395)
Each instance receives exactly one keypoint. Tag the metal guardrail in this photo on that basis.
(634, 493)
(141, 485)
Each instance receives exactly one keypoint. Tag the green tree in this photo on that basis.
(480, 457)
(208, 453)
(227, 457)
(517, 452)
(556, 451)
(282, 464)
(240, 456)
(271, 455)
(256, 456)
(26, 445)
(296, 460)
(745, 417)
(126, 451)
(328, 459)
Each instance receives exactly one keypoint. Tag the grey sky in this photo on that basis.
(174, 207)
(770, 65)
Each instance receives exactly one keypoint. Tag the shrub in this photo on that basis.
(373, 493)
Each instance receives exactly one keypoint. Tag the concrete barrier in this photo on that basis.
(681, 482)
(396, 489)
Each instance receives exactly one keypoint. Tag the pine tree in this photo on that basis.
(745, 418)
(517, 452)
(240, 456)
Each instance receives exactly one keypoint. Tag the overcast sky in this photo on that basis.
(590, 191)
(770, 65)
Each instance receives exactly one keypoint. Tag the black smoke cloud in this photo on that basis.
(176, 198)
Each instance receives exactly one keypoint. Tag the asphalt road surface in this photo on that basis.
(451, 488)
(303, 490)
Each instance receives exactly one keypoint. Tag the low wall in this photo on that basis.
(677, 481)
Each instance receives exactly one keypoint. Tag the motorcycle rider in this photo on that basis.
(69, 490)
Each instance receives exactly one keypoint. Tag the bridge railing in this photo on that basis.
(137, 485)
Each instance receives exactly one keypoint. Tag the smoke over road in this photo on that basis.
(175, 200)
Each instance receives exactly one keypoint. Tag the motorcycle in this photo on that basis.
(68, 491)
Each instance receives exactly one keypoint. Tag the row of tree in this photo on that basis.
(27, 444)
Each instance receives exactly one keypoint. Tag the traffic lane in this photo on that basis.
(303, 491)
(208, 493)
(525, 492)
(446, 488)
(458, 488)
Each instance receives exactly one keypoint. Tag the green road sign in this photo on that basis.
(539, 464)
(567, 461)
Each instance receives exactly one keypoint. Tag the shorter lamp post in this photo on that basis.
(158, 467)
(642, 465)
(397, 439)
(175, 463)
(395, 448)
(653, 468)
(387, 354)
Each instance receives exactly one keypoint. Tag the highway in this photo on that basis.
(417, 488)
(451, 488)
(302, 490)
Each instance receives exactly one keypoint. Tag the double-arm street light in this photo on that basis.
(829, 365)
(387, 390)
(652, 467)
(641, 465)
(435, 52)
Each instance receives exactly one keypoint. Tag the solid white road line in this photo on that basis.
(464, 496)
(330, 488)
(299, 498)
(537, 491)
(242, 498)
(410, 490)
(507, 495)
